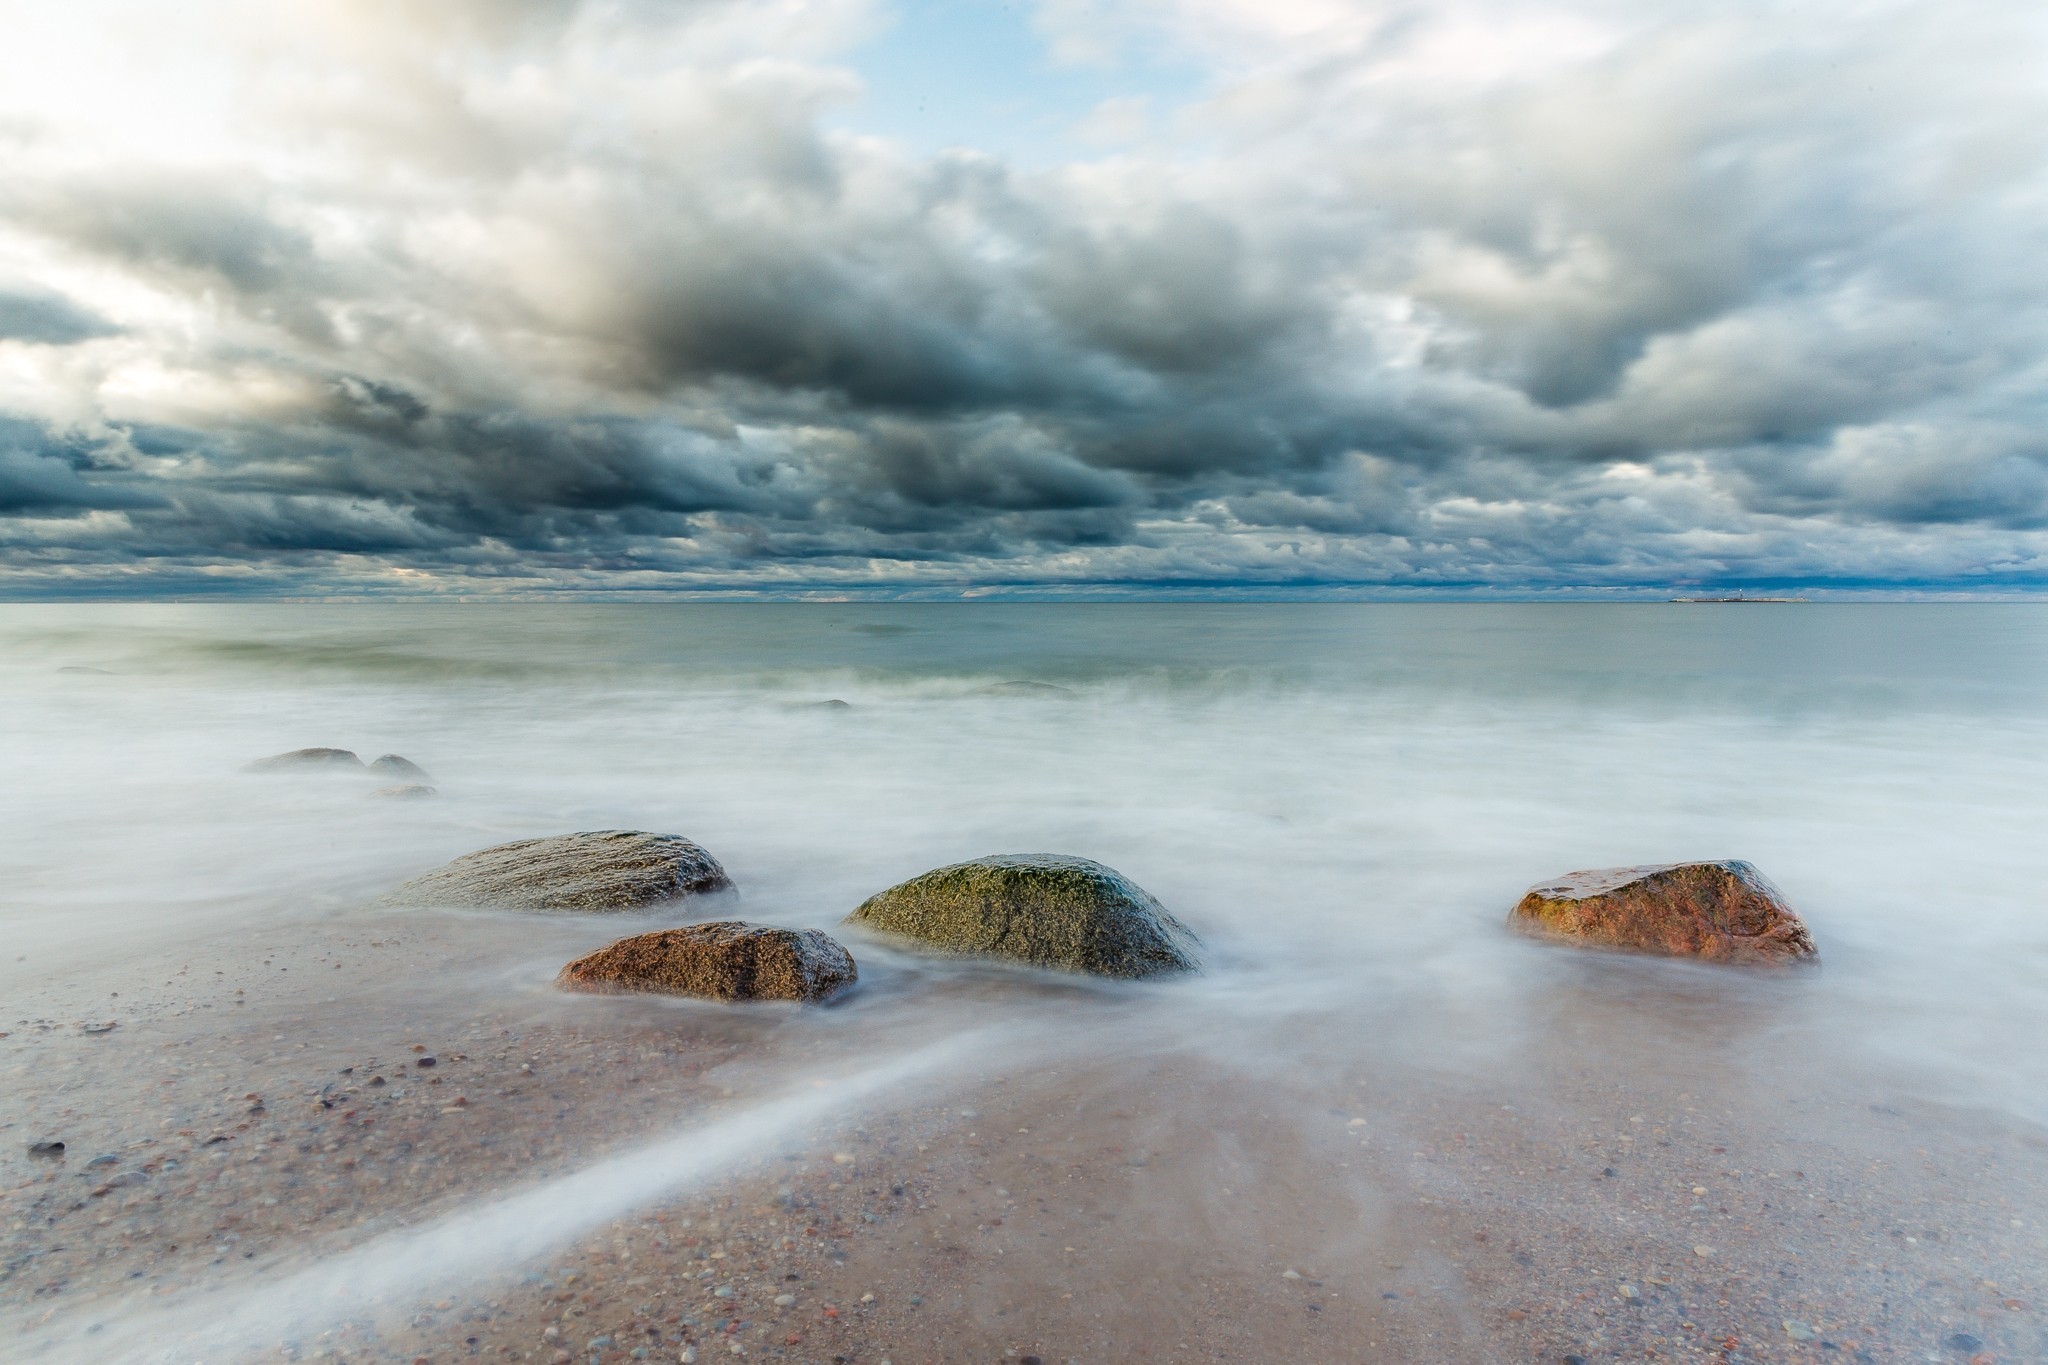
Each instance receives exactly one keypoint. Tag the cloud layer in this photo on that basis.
(341, 296)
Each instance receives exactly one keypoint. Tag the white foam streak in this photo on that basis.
(463, 1248)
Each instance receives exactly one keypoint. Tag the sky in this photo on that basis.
(939, 296)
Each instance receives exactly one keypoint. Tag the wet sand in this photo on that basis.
(257, 1160)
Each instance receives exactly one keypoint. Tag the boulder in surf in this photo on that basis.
(1048, 910)
(399, 769)
(1723, 911)
(308, 760)
(720, 960)
(595, 870)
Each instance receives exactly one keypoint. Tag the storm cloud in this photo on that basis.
(625, 295)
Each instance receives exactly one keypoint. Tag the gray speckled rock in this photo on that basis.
(1723, 911)
(1046, 909)
(610, 869)
(399, 769)
(722, 960)
(308, 760)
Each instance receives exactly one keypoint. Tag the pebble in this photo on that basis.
(689, 1356)
(1963, 1341)
(785, 1300)
(46, 1149)
(723, 1291)
(1798, 1330)
(1290, 1274)
(1702, 1251)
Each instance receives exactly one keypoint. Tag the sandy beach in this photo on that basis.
(260, 1135)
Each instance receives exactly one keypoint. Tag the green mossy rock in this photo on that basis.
(1068, 914)
(606, 869)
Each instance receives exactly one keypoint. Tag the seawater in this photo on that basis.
(1341, 799)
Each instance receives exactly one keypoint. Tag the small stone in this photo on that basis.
(842, 1158)
(867, 1298)
(426, 1061)
(1703, 1252)
(688, 1356)
(785, 1300)
(1290, 1274)
(1628, 1291)
(736, 1348)
(723, 1291)
(1698, 1191)
(46, 1149)
(1963, 1341)
(406, 791)
(1798, 1330)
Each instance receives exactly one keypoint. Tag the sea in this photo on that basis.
(1342, 800)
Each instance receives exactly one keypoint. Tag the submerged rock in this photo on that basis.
(316, 760)
(1024, 687)
(1046, 909)
(404, 769)
(723, 960)
(610, 869)
(406, 791)
(1723, 911)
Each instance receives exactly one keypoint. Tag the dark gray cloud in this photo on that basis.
(596, 296)
(46, 319)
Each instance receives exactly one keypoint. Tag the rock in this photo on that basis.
(722, 960)
(1722, 911)
(610, 869)
(406, 791)
(46, 1149)
(402, 769)
(313, 760)
(1049, 910)
(1023, 688)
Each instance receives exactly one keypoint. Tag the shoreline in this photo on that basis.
(1427, 1209)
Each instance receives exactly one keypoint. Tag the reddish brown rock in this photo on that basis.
(723, 960)
(1722, 911)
